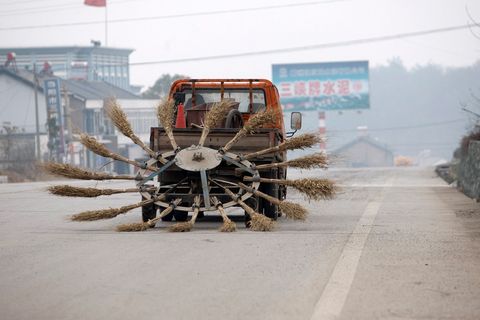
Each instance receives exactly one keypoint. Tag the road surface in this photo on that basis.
(395, 244)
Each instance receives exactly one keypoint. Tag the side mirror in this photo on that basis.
(296, 121)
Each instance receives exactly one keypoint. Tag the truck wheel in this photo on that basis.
(148, 212)
(268, 209)
(180, 216)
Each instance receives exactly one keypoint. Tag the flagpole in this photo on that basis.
(106, 25)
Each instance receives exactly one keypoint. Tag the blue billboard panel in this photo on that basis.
(322, 86)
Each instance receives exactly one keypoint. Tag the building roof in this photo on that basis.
(367, 140)
(22, 76)
(97, 90)
(65, 49)
(84, 89)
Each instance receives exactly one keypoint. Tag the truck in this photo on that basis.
(214, 171)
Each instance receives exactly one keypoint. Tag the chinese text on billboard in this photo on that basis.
(322, 86)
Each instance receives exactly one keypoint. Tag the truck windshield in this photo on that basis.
(242, 96)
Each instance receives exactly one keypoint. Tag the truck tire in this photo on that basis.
(180, 216)
(268, 209)
(149, 211)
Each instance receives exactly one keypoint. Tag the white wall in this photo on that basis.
(17, 104)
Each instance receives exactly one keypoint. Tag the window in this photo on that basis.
(242, 96)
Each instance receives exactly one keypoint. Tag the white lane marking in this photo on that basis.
(332, 300)
(335, 293)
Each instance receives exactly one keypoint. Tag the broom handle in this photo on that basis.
(262, 152)
(118, 157)
(147, 201)
(165, 212)
(170, 136)
(267, 180)
(235, 139)
(220, 209)
(121, 177)
(142, 145)
(272, 165)
(196, 209)
(245, 207)
(260, 194)
(203, 137)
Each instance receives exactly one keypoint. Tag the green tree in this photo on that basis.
(161, 87)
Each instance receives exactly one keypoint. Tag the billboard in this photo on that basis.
(322, 86)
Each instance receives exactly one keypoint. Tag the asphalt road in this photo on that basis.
(395, 244)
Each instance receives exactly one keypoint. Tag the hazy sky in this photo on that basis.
(207, 35)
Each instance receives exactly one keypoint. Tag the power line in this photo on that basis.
(173, 16)
(9, 2)
(294, 49)
(308, 47)
(37, 9)
(53, 8)
(423, 125)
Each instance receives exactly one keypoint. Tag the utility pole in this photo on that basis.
(68, 123)
(37, 120)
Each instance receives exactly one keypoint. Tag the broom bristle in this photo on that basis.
(228, 226)
(260, 222)
(217, 113)
(132, 227)
(93, 215)
(302, 141)
(166, 114)
(119, 118)
(93, 145)
(293, 210)
(259, 119)
(110, 213)
(316, 160)
(314, 188)
(181, 227)
(66, 170)
(70, 191)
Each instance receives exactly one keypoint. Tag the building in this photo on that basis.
(83, 102)
(363, 152)
(92, 63)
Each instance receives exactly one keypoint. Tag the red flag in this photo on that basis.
(96, 3)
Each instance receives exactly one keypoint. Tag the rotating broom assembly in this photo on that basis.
(204, 186)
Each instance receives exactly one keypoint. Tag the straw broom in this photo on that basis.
(119, 118)
(188, 225)
(214, 117)
(93, 215)
(68, 171)
(316, 160)
(313, 188)
(142, 226)
(257, 120)
(96, 147)
(258, 221)
(228, 225)
(71, 191)
(302, 141)
(291, 210)
(166, 116)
